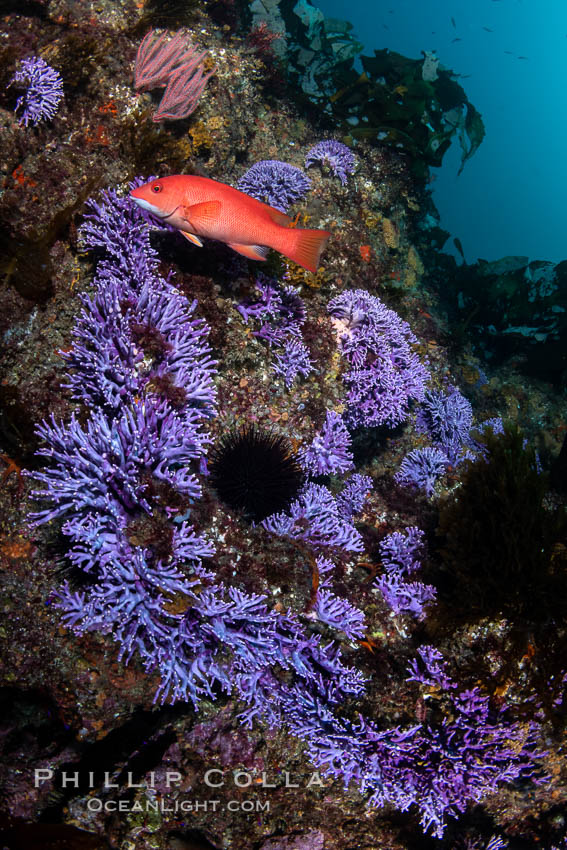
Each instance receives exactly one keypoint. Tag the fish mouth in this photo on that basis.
(157, 211)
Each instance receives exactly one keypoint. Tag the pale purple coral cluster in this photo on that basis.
(329, 451)
(127, 477)
(386, 374)
(439, 768)
(315, 517)
(400, 554)
(352, 497)
(136, 335)
(446, 418)
(292, 360)
(44, 91)
(422, 468)
(275, 183)
(282, 313)
(335, 156)
(338, 613)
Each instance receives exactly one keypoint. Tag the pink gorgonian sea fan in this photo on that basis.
(175, 63)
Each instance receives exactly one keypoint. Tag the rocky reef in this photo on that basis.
(283, 553)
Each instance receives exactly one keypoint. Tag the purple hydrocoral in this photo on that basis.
(282, 313)
(43, 94)
(402, 551)
(315, 518)
(144, 340)
(292, 360)
(422, 468)
(267, 305)
(352, 497)
(339, 614)
(446, 417)
(386, 373)
(329, 451)
(496, 425)
(335, 156)
(106, 467)
(280, 308)
(136, 334)
(438, 768)
(125, 480)
(275, 183)
(400, 555)
(115, 227)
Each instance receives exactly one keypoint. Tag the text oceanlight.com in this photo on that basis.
(95, 804)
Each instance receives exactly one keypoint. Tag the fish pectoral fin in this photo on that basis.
(279, 217)
(192, 238)
(202, 215)
(253, 252)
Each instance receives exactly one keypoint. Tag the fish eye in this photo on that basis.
(157, 187)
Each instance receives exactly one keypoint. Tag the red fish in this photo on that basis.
(198, 206)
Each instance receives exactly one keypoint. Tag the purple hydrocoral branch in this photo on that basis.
(292, 360)
(406, 597)
(339, 614)
(283, 313)
(104, 467)
(280, 308)
(141, 336)
(386, 374)
(422, 468)
(315, 518)
(267, 305)
(430, 669)
(400, 555)
(43, 94)
(256, 637)
(446, 417)
(275, 183)
(329, 451)
(136, 334)
(335, 156)
(438, 769)
(402, 551)
(116, 226)
(352, 497)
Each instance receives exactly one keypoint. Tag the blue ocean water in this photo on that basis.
(510, 198)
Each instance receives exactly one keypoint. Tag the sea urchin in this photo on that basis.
(255, 471)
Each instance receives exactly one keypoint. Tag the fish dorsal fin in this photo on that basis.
(279, 217)
(203, 214)
(253, 252)
(192, 238)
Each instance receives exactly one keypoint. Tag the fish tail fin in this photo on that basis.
(306, 247)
